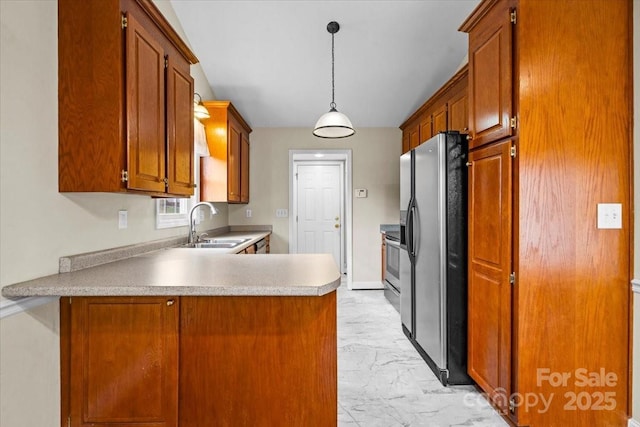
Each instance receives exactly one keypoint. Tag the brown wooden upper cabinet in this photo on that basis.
(224, 175)
(125, 99)
(491, 113)
(445, 110)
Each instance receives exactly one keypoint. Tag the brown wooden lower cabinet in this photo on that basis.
(199, 361)
(120, 362)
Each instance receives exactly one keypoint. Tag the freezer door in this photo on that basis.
(430, 271)
(406, 292)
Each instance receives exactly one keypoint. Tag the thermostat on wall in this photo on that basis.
(361, 192)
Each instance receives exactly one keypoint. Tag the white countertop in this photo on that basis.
(194, 272)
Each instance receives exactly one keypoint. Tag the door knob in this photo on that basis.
(337, 226)
(337, 218)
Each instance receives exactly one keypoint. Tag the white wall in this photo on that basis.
(374, 168)
(38, 225)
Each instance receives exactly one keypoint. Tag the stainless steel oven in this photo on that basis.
(392, 270)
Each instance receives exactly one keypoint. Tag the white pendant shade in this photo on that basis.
(333, 125)
(200, 111)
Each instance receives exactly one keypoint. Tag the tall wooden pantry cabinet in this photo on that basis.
(550, 122)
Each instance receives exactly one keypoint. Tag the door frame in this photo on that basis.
(297, 157)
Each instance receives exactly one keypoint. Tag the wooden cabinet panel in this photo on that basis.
(414, 136)
(180, 166)
(244, 363)
(233, 167)
(406, 145)
(439, 119)
(225, 173)
(123, 361)
(145, 108)
(458, 114)
(244, 168)
(426, 129)
(490, 71)
(490, 227)
(115, 130)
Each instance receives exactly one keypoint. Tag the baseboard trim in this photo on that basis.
(10, 307)
(367, 285)
(634, 423)
(635, 287)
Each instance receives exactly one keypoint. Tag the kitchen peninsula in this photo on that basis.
(190, 337)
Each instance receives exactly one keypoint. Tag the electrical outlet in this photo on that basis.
(122, 219)
(248, 213)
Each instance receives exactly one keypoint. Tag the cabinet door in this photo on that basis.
(179, 128)
(489, 294)
(145, 81)
(458, 117)
(439, 119)
(405, 141)
(244, 168)
(490, 76)
(124, 361)
(414, 136)
(426, 128)
(233, 159)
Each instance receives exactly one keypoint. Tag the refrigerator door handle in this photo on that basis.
(409, 231)
(415, 229)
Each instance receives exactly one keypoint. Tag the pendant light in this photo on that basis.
(199, 110)
(333, 124)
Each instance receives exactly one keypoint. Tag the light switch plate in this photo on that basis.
(609, 215)
(248, 213)
(122, 219)
(282, 213)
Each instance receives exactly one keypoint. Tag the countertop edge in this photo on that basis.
(141, 291)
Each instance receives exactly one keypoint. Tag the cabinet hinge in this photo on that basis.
(513, 122)
(69, 421)
(512, 152)
(124, 21)
(166, 182)
(124, 175)
(166, 62)
(512, 405)
(513, 16)
(512, 278)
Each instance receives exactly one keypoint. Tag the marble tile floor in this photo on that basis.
(383, 381)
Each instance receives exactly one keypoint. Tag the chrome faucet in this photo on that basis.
(192, 220)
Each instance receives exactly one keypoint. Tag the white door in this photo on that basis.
(319, 210)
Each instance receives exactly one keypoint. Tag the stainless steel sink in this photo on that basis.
(224, 241)
(219, 243)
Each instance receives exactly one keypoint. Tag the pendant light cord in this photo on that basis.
(333, 82)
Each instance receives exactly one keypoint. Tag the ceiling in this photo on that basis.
(272, 59)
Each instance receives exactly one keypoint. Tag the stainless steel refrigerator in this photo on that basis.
(433, 261)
